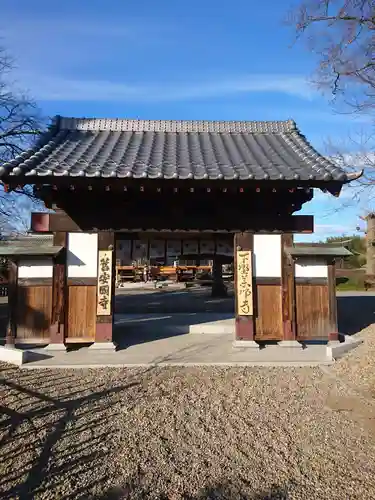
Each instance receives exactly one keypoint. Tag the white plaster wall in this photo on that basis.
(82, 258)
(311, 269)
(267, 251)
(35, 268)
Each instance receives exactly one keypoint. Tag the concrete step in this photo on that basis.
(185, 350)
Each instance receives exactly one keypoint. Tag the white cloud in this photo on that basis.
(46, 87)
(69, 59)
(72, 43)
(66, 30)
(20, 29)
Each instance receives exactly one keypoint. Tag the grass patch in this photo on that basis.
(350, 287)
(352, 284)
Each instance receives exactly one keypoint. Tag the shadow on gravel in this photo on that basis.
(57, 445)
(58, 436)
(224, 491)
(355, 313)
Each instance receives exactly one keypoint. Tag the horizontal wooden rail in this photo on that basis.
(61, 221)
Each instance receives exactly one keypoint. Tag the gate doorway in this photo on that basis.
(165, 284)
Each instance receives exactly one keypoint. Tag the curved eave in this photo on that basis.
(354, 176)
(332, 186)
(336, 189)
(314, 180)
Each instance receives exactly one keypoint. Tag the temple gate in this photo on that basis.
(207, 183)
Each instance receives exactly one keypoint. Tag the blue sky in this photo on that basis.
(176, 60)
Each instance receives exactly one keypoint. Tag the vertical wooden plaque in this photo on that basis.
(244, 283)
(103, 307)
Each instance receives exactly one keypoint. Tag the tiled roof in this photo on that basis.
(174, 150)
(32, 239)
(9, 250)
(318, 251)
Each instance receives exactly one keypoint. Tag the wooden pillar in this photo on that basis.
(11, 331)
(333, 334)
(59, 324)
(218, 286)
(244, 324)
(288, 304)
(104, 322)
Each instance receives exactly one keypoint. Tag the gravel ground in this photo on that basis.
(357, 367)
(191, 433)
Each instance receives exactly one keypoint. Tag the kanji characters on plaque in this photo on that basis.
(103, 307)
(244, 283)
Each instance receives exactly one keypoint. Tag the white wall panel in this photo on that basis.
(310, 268)
(35, 268)
(267, 251)
(82, 255)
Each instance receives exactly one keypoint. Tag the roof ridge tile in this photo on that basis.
(138, 125)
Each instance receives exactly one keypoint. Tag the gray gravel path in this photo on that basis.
(195, 433)
(192, 433)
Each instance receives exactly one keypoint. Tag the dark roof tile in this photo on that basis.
(174, 149)
(318, 251)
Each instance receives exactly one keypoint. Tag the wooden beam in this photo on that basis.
(333, 334)
(104, 323)
(58, 328)
(288, 304)
(79, 183)
(11, 330)
(61, 221)
(89, 220)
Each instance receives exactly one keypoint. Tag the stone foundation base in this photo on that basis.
(9, 354)
(290, 344)
(104, 346)
(247, 344)
(55, 347)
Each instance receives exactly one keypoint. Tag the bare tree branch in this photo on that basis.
(354, 152)
(19, 119)
(342, 34)
(20, 124)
